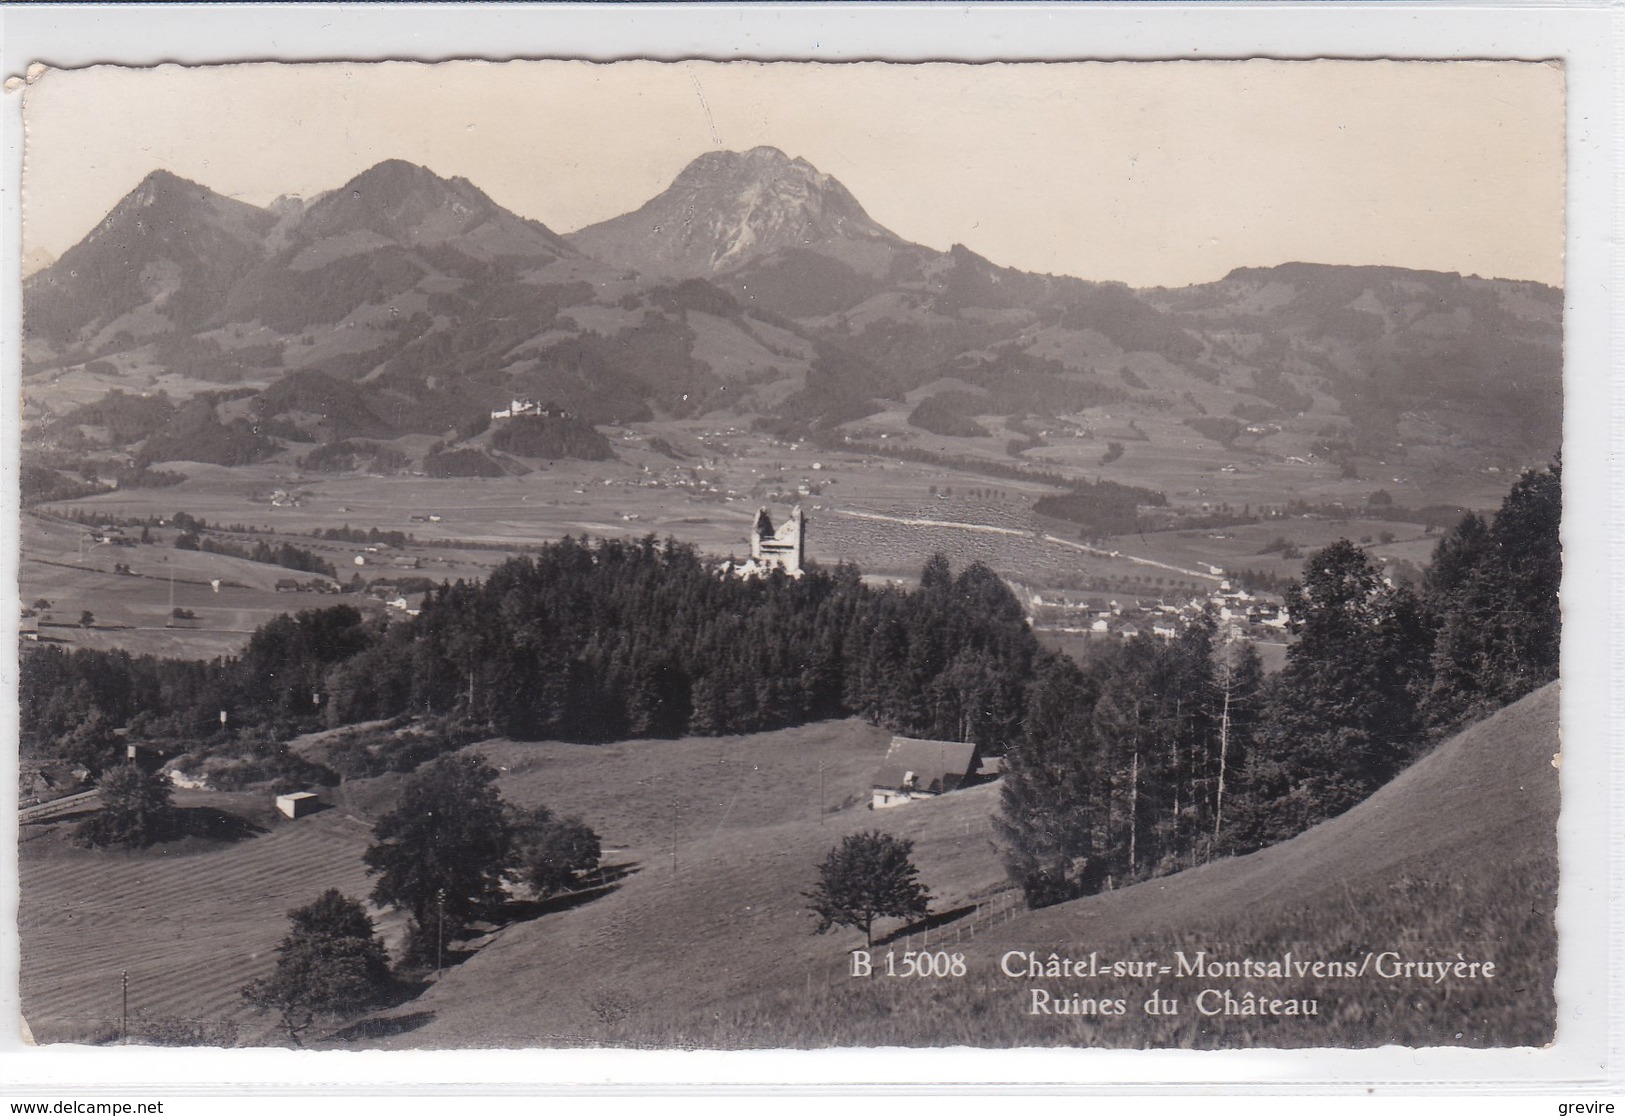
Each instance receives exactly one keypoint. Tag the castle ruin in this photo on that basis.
(781, 548)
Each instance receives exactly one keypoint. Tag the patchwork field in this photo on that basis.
(133, 610)
(1160, 452)
(1243, 547)
(699, 481)
(696, 483)
(190, 922)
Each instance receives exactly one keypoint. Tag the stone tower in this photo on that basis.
(783, 548)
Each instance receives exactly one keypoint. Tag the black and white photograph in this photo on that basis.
(719, 555)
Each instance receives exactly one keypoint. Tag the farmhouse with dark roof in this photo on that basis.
(922, 769)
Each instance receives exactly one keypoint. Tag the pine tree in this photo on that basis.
(1492, 593)
(1344, 717)
(1053, 796)
(1239, 679)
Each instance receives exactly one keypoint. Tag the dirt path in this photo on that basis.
(988, 529)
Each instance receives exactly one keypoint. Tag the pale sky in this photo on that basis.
(1145, 172)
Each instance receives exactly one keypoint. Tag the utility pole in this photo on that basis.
(1224, 748)
(440, 935)
(1179, 709)
(1134, 806)
(820, 792)
(124, 1007)
(674, 837)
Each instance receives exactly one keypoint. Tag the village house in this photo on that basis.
(923, 769)
(148, 757)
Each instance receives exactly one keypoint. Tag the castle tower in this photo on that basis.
(782, 548)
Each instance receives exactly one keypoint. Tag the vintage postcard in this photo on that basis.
(733, 555)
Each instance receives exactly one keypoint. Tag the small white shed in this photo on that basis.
(298, 804)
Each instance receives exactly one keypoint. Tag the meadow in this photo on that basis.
(190, 922)
(134, 610)
(702, 937)
(702, 485)
(1455, 860)
(1243, 546)
(721, 838)
(736, 819)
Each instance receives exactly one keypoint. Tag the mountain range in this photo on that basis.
(404, 302)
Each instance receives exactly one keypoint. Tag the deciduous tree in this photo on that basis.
(1344, 717)
(330, 965)
(867, 876)
(135, 809)
(442, 851)
(552, 853)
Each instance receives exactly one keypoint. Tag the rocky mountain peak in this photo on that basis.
(391, 198)
(759, 164)
(164, 199)
(726, 208)
(161, 184)
(412, 205)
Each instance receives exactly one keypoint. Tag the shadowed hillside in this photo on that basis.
(1458, 856)
(701, 936)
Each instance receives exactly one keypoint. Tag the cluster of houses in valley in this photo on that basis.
(706, 481)
(1238, 611)
(109, 536)
(282, 498)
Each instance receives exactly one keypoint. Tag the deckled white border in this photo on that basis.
(1587, 1053)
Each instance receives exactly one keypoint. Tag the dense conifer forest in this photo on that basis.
(1163, 754)
(588, 641)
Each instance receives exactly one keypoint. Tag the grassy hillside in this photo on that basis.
(191, 921)
(704, 940)
(1457, 858)
(673, 945)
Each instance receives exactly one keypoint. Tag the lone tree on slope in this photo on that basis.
(331, 964)
(867, 876)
